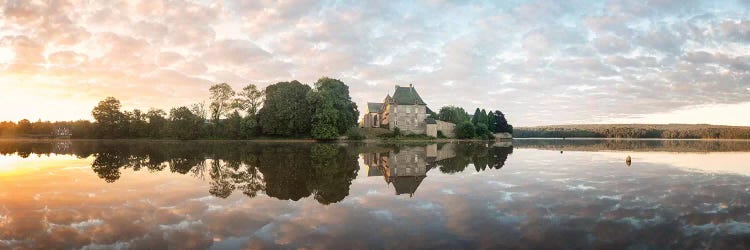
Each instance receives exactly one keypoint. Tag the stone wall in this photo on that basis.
(408, 162)
(447, 128)
(503, 136)
(408, 118)
(431, 130)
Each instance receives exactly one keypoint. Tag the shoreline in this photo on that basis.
(297, 140)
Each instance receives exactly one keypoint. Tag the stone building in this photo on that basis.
(406, 111)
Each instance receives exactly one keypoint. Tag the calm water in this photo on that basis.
(229, 195)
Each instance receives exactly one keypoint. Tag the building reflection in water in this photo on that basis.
(290, 171)
(405, 168)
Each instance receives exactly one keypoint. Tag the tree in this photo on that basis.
(110, 122)
(249, 126)
(483, 117)
(480, 117)
(453, 114)
(286, 110)
(324, 119)
(502, 123)
(199, 110)
(333, 110)
(465, 130)
(221, 96)
(138, 125)
(250, 99)
(156, 122)
(24, 126)
(482, 131)
(232, 125)
(491, 121)
(183, 123)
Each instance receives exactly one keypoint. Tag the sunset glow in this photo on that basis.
(541, 62)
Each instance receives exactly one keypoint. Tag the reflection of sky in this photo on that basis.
(539, 199)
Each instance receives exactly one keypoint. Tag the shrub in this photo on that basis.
(483, 132)
(396, 132)
(324, 132)
(465, 130)
(354, 134)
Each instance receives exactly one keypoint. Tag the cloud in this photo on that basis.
(165, 53)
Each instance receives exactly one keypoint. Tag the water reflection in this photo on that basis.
(196, 195)
(636, 145)
(288, 171)
(406, 167)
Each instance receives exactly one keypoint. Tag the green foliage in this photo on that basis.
(465, 130)
(157, 123)
(286, 110)
(250, 99)
(502, 125)
(492, 121)
(480, 117)
(183, 123)
(110, 122)
(249, 126)
(396, 132)
(354, 134)
(232, 125)
(482, 132)
(453, 114)
(289, 109)
(333, 94)
(324, 132)
(138, 126)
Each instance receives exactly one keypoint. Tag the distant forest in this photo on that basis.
(665, 131)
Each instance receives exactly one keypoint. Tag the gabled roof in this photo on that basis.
(374, 107)
(407, 184)
(407, 96)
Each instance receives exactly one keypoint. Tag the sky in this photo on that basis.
(540, 62)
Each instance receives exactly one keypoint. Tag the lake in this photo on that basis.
(248, 195)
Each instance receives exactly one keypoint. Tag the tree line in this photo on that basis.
(482, 124)
(283, 109)
(666, 131)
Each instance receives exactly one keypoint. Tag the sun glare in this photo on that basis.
(6, 55)
(14, 165)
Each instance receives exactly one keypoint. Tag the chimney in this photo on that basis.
(397, 86)
(411, 86)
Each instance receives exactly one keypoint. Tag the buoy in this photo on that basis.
(628, 161)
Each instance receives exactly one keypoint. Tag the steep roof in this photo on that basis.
(374, 107)
(407, 96)
(430, 112)
(407, 184)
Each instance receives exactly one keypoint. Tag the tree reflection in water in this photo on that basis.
(286, 171)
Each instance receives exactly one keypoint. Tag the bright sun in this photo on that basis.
(6, 55)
